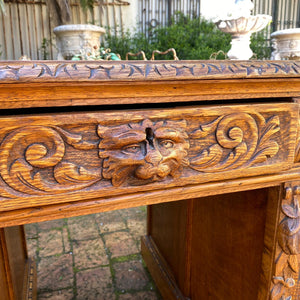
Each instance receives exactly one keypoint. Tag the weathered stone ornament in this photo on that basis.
(286, 44)
(71, 39)
(240, 24)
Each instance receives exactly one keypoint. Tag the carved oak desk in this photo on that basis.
(211, 147)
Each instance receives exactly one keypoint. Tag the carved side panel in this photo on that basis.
(44, 158)
(286, 279)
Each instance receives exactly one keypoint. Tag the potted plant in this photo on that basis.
(72, 38)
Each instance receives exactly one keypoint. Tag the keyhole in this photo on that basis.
(150, 136)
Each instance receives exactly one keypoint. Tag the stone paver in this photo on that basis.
(57, 295)
(89, 254)
(95, 257)
(110, 221)
(139, 296)
(83, 228)
(95, 284)
(55, 272)
(120, 244)
(51, 224)
(50, 242)
(130, 275)
(137, 227)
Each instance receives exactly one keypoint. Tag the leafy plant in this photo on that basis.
(192, 38)
(128, 42)
(260, 45)
(46, 43)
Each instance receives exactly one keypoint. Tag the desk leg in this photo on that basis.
(286, 274)
(216, 247)
(17, 271)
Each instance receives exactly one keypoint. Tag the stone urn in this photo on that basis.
(72, 39)
(240, 24)
(286, 44)
(241, 30)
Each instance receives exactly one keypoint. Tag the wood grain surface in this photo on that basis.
(47, 71)
(55, 83)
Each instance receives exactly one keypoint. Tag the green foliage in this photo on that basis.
(45, 48)
(192, 38)
(128, 42)
(260, 45)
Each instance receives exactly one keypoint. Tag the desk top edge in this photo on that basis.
(111, 71)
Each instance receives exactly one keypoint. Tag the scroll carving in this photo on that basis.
(287, 263)
(47, 160)
(240, 140)
(26, 152)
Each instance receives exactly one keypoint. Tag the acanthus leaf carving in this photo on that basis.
(287, 261)
(66, 173)
(25, 152)
(248, 139)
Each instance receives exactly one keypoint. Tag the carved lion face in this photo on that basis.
(144, 152)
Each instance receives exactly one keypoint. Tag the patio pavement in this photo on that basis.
(92, 257)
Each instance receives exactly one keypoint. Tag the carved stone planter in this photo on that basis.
(71, 39)
(241, 30)
(286, 44)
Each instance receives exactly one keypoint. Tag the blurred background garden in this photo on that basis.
(135, 25)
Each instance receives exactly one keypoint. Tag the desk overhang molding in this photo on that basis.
(97, 71)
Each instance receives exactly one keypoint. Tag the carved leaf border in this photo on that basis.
(39, 71)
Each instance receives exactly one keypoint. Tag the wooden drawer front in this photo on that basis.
(47, 159)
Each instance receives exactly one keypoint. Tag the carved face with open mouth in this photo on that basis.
(147, 151)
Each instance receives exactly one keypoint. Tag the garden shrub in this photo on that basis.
(192, 38)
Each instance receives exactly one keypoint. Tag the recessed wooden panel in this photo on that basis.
(169, 228)
(227, 246)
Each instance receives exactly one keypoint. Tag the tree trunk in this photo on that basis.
(60, 12)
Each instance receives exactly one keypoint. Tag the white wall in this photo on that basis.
(131, 15)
